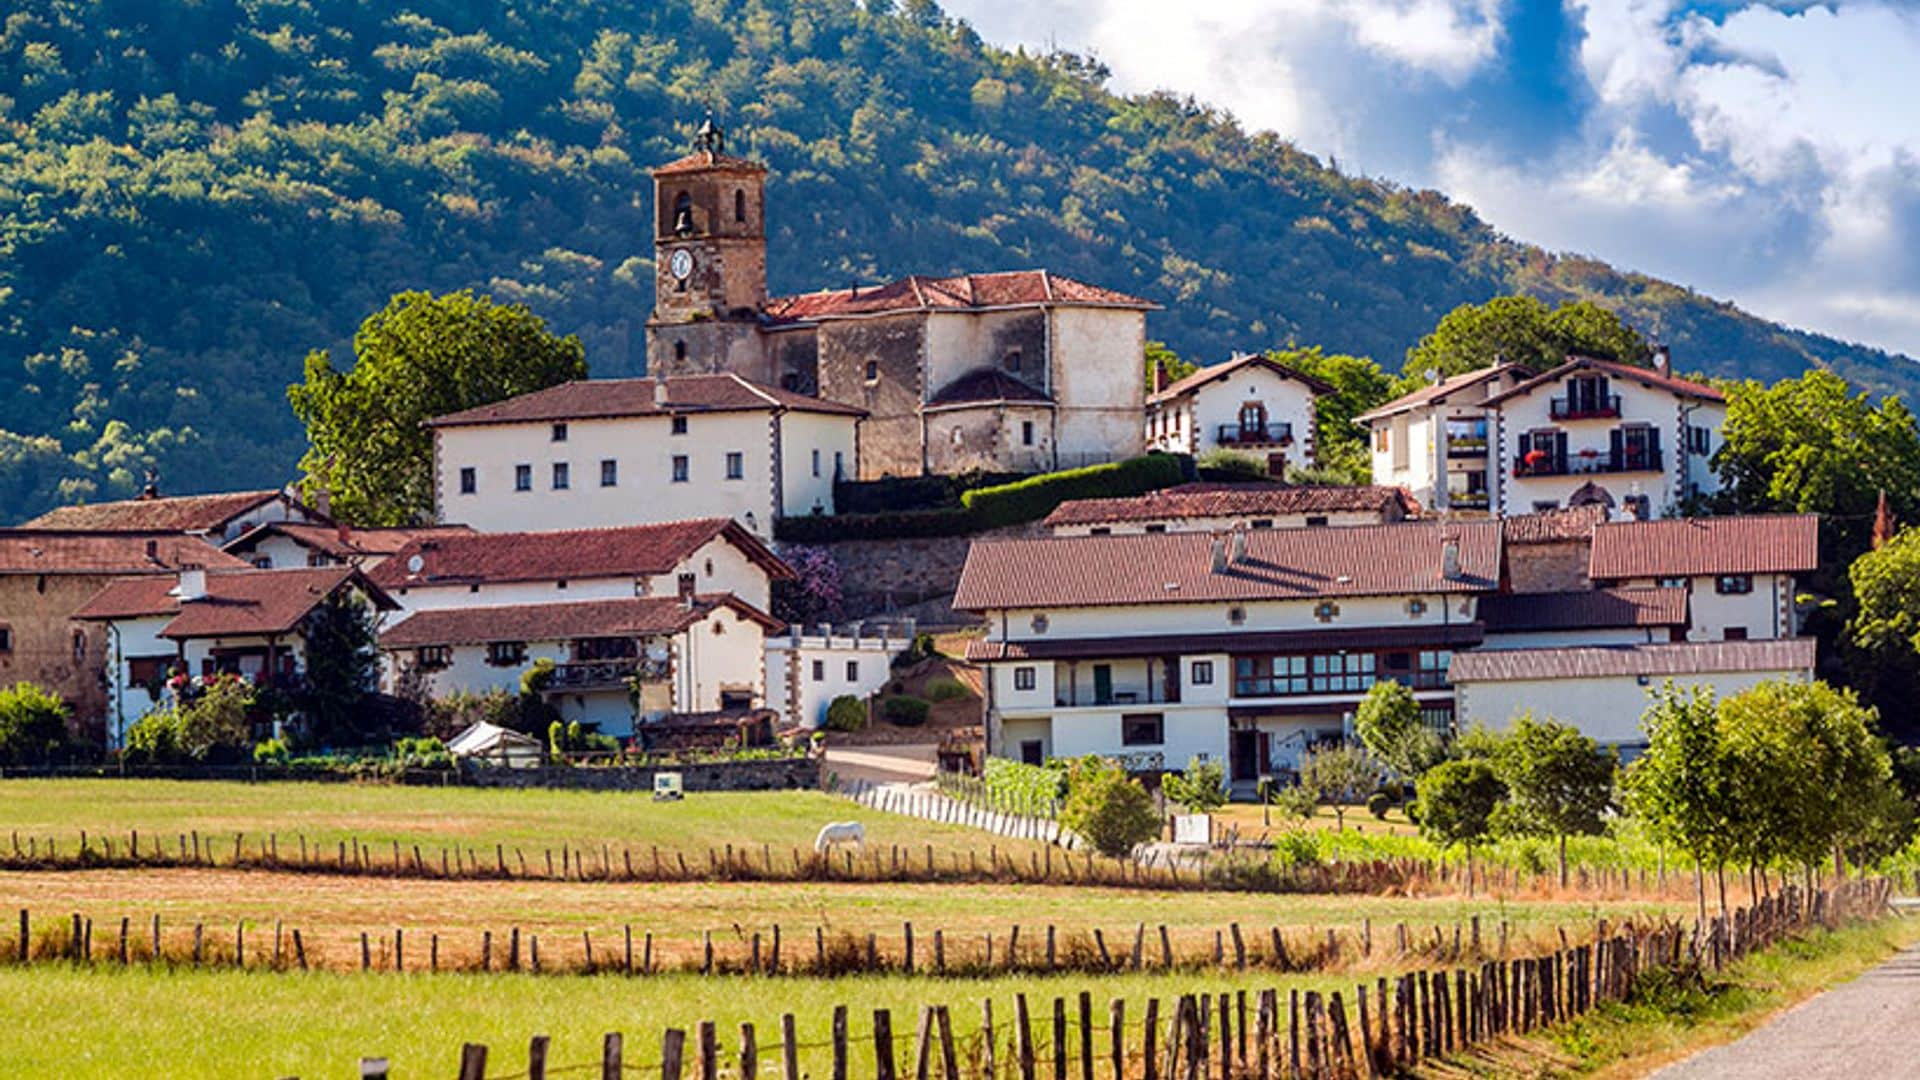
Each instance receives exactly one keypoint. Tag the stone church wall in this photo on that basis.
(890, 437)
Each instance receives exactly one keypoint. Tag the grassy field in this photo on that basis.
(332, 911)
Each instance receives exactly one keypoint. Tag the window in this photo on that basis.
(838, 463)
(1039, 624)
(1735, 633)
(816, 463)
(1033, 752)
(79, 646)
(559, 433)
(469, 481)
(1025, 678)
(740, 206)
(609, 473)
(149, 672)
(1237, 615)
(314, 559)
(679, 468)
(679, 425)
(1316, 520)
(561, 479)
(1142, 729)
(1380, 440)
(853, 671)
(523, 478)
(1671, 582)
(506, 653)
(1699, 440)
(433, 657)
(1012, 360)
(687, 585)
(873, 371)
(1545, 506)
(680, 347)
(1026, 433)
(1262, 523)
(819, 671)
(1733, 584)
(1319, 673)
(1157, 527)
(1640, 506)
(1100, 530)
(736, 465)
(1202, 673)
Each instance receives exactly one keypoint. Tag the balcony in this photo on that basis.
(583, 675)
(1589, 462)
(1119, 683)
(1466, 446)
(1254, 435)
(1467, 500)
(1586, 407)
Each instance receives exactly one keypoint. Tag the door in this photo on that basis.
(1102, 684)
(1243, 756)
(1253, 422)
(1032, 752)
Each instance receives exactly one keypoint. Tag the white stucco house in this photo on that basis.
(1738, 573)
(1251, 403)
(1437, 441)
(1211, 507)
(807, 667)
(610, 452)
(200, 623)
(218, 518)
(1246, 648)
(284, 544)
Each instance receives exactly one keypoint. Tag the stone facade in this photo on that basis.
(893, 349)
(1560, 566)
(50, 649)
(909, 578)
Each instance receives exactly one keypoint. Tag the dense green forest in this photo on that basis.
(195, 193)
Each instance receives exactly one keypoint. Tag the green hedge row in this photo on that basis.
(893, 525)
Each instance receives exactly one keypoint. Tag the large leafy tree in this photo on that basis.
(1458, 800)
(1358, 385)
(342, 668)
(1524, 330)
(421, 356)
(1390, 727)
(1560, 781)
(1682, 785)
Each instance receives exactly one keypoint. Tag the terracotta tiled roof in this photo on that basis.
(40, 551)
(985, 386)
(1280, 564)
(1645, 376)
(633, 550)
(341, 542)
(1653, 661)
(1410, 636)
(1206, 500)
(238, 602)
(1206, 375)
(1588, 609)
(635, 617)
(703, 160)
(1690, 547)
(174, 513)
(963, 292)
(1554, 526)
(606, 399)
(1435, 391)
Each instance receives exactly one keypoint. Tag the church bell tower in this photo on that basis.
(710, 263)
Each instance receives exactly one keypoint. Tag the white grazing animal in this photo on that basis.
(835, 833)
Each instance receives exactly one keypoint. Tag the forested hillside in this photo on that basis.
(195, 193)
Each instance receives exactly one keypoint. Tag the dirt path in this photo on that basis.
(1869, 1027)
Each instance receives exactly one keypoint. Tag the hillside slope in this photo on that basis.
(194, 193)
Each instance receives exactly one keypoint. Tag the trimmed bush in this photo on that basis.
(1036, 497)
(846, 713)
(1200, 789)
(891, 525)
(1378, 804)
(905, 711)
(947, 690)
(33, 725)
(1296, 800)
(1108, 808)
(1221, 464)
(897, 493)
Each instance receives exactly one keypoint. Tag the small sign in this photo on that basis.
(666, 787)
(1193, 829)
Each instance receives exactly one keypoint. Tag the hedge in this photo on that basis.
(896, 493)
(1037, 496)
(905, 711)
(896, 525)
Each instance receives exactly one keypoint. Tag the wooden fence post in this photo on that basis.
(749, 1053)
(610, 1056)
(882, 1045)
(1023, 1036)
(709, 1050)
(537, 1058)
(839, 1042)
(473, 1062)
(789, 1047)
(673, 1046)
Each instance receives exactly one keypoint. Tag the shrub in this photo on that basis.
(1200, 789)
(1378, 804)
(423, 753)
(1296, 849)
(33, 726)
(537, 676)
(272, 752)
(906, 711)
(1108, 808)
(448, 716)
(155, 738)
(922, 648)
(846, 713)
(895, 525)
(1296, 801)
(1229, 465)
(1022, 785)
(947, 690)
(1036, 497)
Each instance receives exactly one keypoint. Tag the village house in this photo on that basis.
(219, 518)
(1246, 648)
(1211, 507)
(1437, 441)
(1019, 371)
(1251, 404)
(1737, 573)
(282, 544)
(46, 577)
(609, 452)
(807, 667)
(201, 622)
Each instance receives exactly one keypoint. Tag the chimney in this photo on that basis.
(1238, 553)
(660, 392)
(193, 582)
(1159, 375)
(1663, 359)
(1217, 551)
(1450, 558)
(340, 531)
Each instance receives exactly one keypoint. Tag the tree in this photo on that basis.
(1886, 596)
(421, 356)
(1457, 803)
(1523, 330)
(1389, 724)
(1681, 786)
(1158, 355)
(1560, 781)
(1358, 385)
(1108, 808)
(33, 726)
(342, 668)
(1339, 776)
(1201, 789)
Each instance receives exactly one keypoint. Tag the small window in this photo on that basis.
(561, 478)
(1012, 360)
(853, 671)
(819, 671)
(740, 206)
(506, 653)
(1025, 678)
(1545, 506)
(816, 463)
(1380, 441)
(736, 465)
(688, 584)
(1735, 633)
(1100, 530)
(1157, 527)
(1202, 673)
(1026, 433)
(679, 425)
(1316, 520)
(839, 462)
(79, 646)
(523, 478)
(561, 584)
(559, 433)
(1237, 615)
(679, 468)
(873, 371)
(469, 481)
(1033, 752)
(1264, 523)
(433, 657)
(680, 347)
(1733, 584)
(1039, 623)
(609, 473)
(1143, 729)
(1671, 582)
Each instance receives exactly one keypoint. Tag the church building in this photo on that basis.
(1020, 371)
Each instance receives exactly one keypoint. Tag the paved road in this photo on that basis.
(905, 763)
(1867, 1029)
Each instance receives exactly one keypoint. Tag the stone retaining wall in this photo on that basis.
(785, 774)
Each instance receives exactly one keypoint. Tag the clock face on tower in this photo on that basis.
(681, 264)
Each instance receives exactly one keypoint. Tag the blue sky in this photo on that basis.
(1767, 153)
